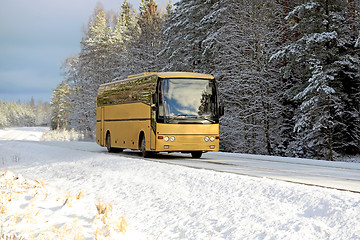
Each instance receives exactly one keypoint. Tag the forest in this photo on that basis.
(28, 114)
(288, 72)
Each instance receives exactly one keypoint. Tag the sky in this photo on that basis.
(36, 37)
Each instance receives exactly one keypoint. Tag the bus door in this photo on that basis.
(153, 127)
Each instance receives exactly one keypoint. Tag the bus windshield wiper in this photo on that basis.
(188, 116)
(207, 119)
(181, 117)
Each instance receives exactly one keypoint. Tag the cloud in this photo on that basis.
(26, 83)
(26, 79)
(37, 36)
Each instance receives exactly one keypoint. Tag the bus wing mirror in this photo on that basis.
(154, 107)
(221, 110)
(154, 98)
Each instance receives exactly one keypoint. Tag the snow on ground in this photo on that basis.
(54, 190)
(22, 133)
(61, 135)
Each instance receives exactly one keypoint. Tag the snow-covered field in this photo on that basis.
(51, 190)
(22, 133)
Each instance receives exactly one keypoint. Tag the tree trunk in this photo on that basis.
(359, 134)
(330, 135)
(285, 22)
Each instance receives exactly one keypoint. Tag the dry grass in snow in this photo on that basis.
(31, 210)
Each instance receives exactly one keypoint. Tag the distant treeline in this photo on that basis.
(288, 71)
(24, 114)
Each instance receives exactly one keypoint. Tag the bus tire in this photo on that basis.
(108, 143)
(196, 154)
(144, 153)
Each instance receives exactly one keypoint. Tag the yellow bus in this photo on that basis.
(159, 112)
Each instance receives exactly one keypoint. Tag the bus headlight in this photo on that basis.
(166, 139)
(212, 139)
(172, 139)
(206, 139)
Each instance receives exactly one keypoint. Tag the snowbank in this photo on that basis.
(61, 135)
(31, 210)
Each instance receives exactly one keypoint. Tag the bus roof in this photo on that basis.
(184, 75)
(163, 75)
(174, 75)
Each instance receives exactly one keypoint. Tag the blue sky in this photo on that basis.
(36, 36)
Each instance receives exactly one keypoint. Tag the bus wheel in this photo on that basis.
(108, 143)
(144, 153)
(196, 154)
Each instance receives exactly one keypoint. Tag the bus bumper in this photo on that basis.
(187, 143)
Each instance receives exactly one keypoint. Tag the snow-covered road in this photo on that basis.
(337, 175)
(164, 201)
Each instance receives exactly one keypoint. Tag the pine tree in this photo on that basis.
(104, 57)
(169, 8)
(42, 114)
(321, 64)
(128, 30)
(184, 34)
(92, 68)
(3, 114)
(60, 104)
(233, 40)
(17, 114)
(144, 49)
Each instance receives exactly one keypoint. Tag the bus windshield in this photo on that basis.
(188, 101)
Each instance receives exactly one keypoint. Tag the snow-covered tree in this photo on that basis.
(144, 48)
(60, 105)
(128, 30)
(323, 67)
(3, 114)
(42, 113)
(91, 68)
(184, 34)
(111, 50)
(233, 40)
(288, 71)
(22, 114)
(169, 8)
